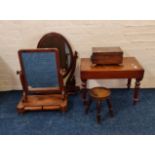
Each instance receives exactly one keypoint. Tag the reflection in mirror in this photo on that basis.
(40, 69)
(68, 56)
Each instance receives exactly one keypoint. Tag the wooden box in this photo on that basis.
(107, 55)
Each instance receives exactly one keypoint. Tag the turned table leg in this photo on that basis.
(84, 96)
(129, 84)
(136, 91)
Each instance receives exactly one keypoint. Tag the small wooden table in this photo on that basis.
(130, 69)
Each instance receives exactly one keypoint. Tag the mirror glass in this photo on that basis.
(40, 69)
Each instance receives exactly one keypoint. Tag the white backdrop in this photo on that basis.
(136, 38)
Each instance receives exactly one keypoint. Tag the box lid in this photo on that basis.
(107, 49)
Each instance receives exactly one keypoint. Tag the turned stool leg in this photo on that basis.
(98, 114)
(110, 107)
(89, 104)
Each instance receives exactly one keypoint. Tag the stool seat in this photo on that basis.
(100, 93)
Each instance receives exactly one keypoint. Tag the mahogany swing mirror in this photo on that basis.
(67, 57)
(41, 80)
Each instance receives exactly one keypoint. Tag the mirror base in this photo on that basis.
(43, 102)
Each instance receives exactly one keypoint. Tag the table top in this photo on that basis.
(130, 68)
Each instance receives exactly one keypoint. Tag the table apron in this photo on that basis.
(112, 75)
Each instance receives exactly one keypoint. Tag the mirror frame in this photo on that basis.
(47, 90)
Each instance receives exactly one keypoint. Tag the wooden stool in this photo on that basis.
(101, 94)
